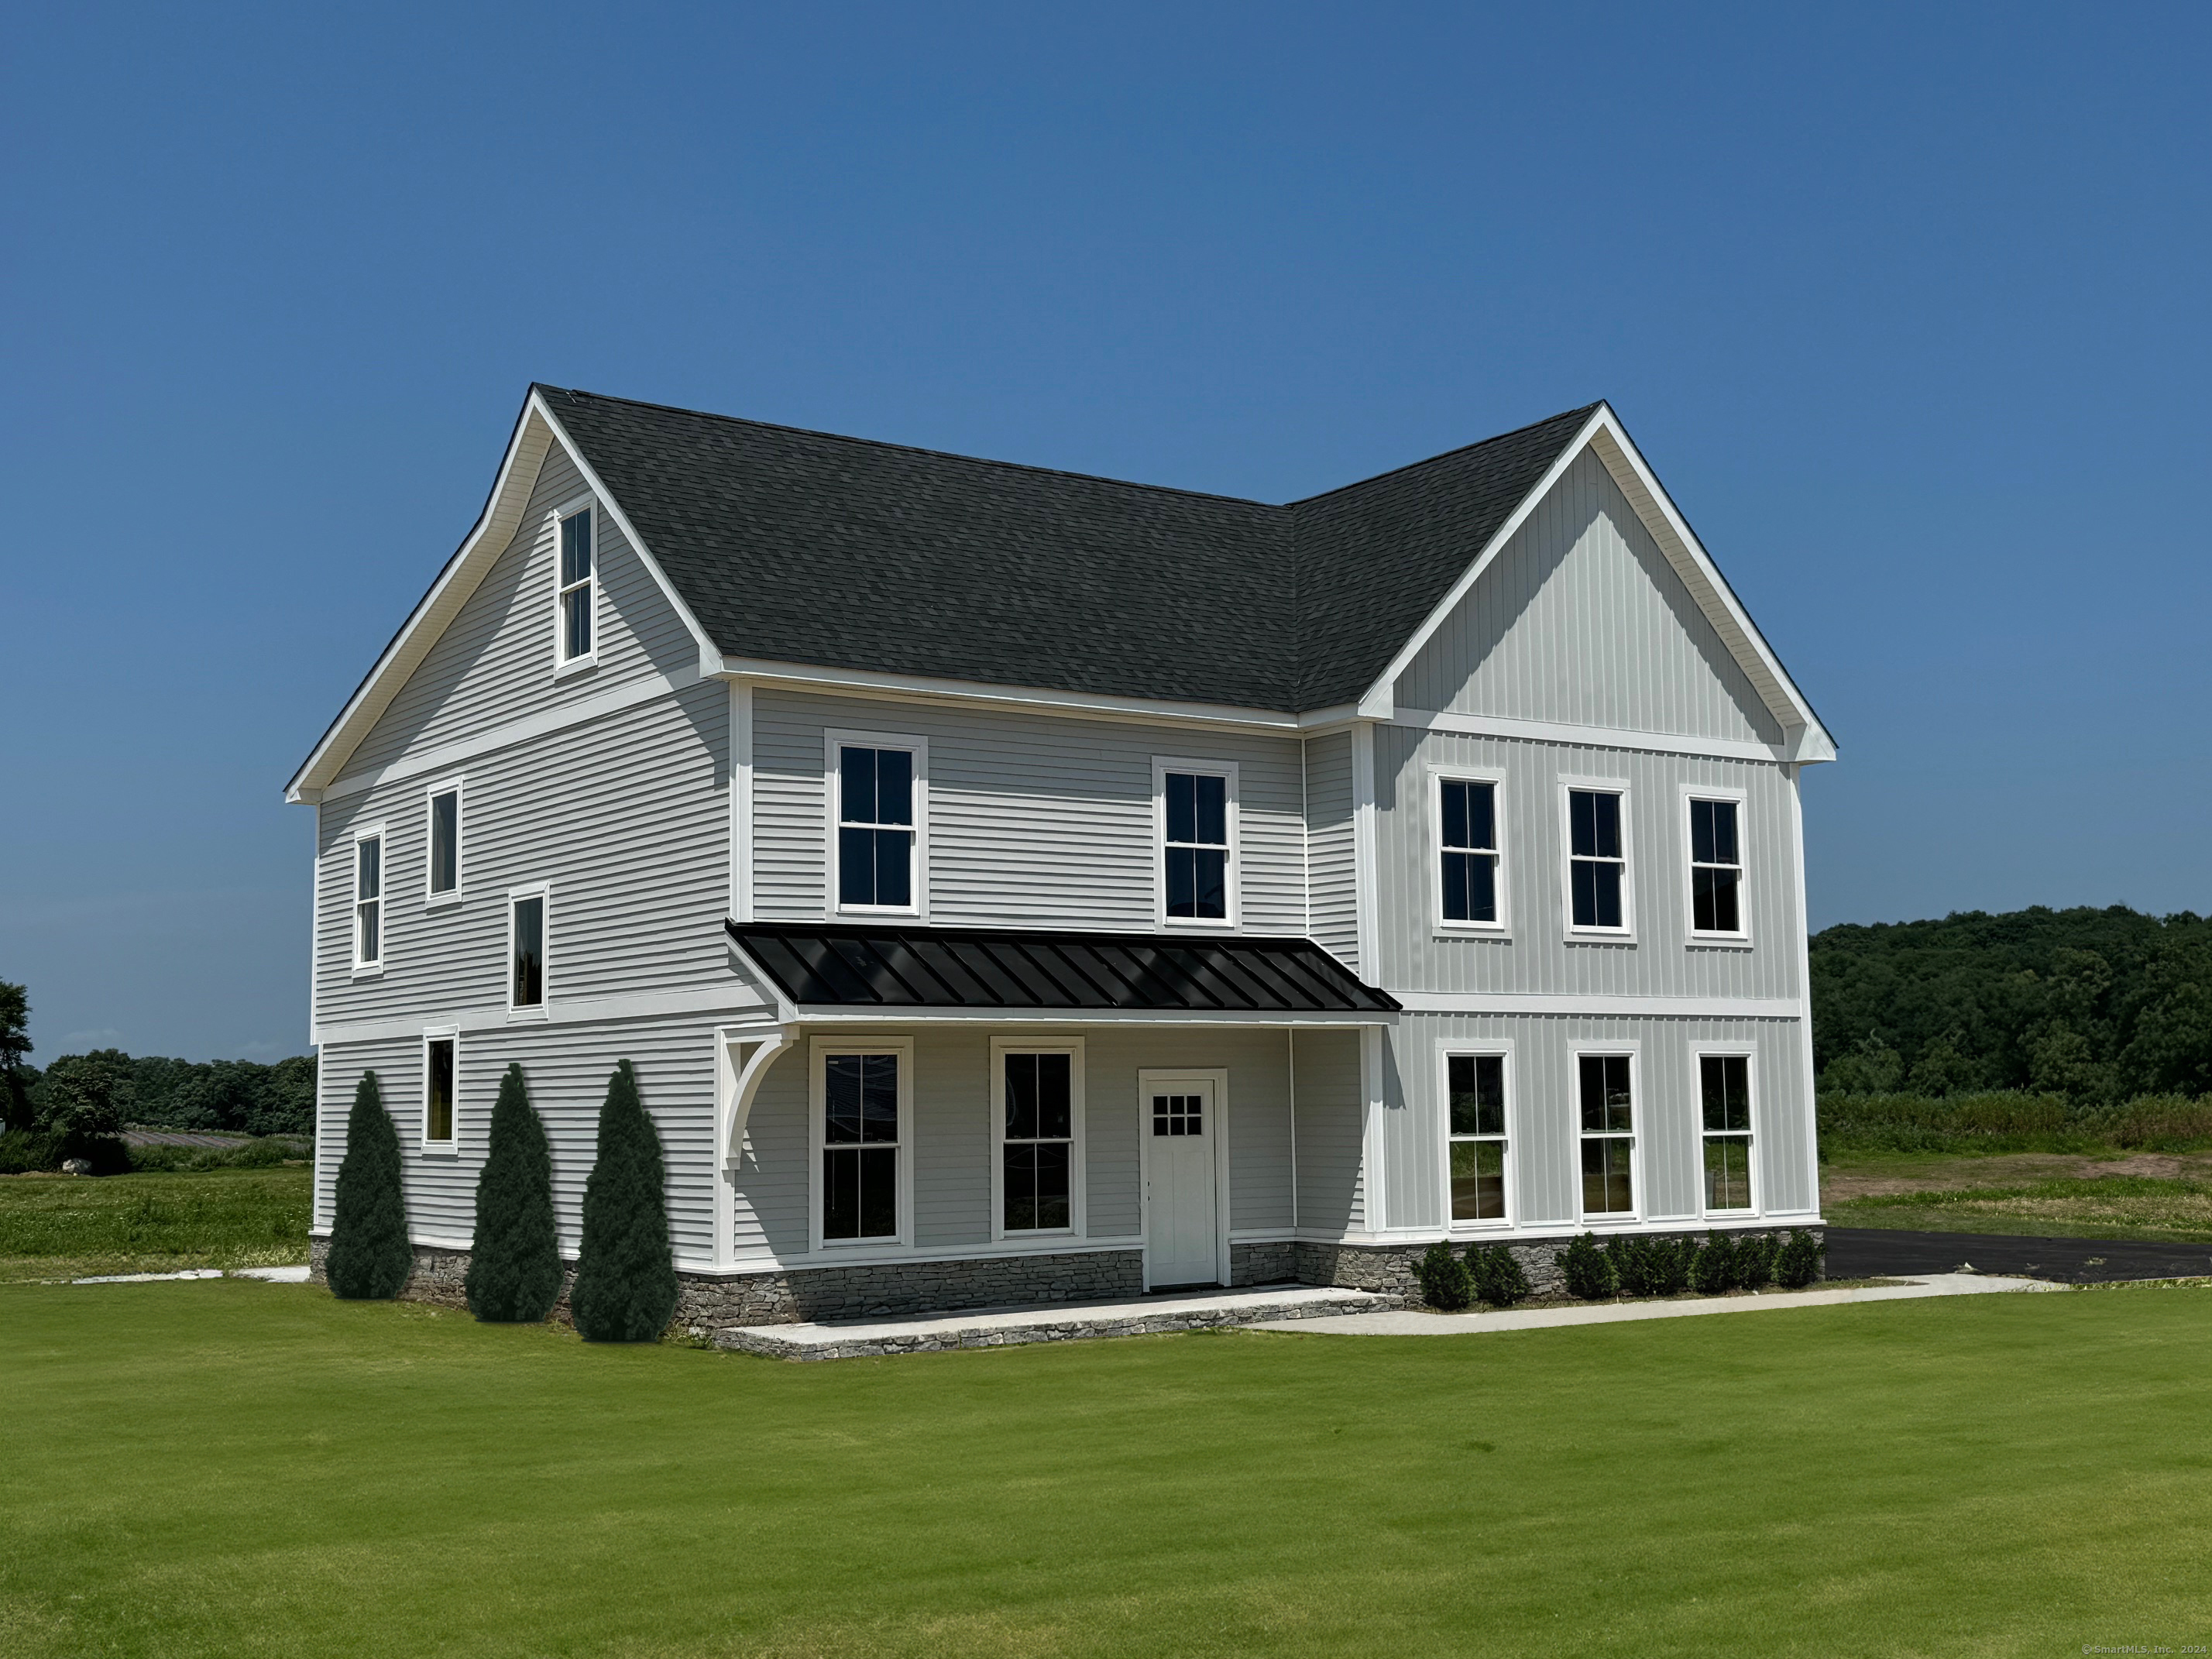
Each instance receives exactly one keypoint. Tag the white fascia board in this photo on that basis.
(1589, 736)
(1596, 1006)
(835, 1016)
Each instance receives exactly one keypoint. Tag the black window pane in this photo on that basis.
(1456, 901)
(1455, 815)
(878, 1096)
(1052, 1171)
(1728, 1172)
(1582, 822)
(840, 1097)
(1724, 832)
(1606, 825)
(1712, 1088)
(1054, 1096)
(1606, 1186)
(1182, 807)
(1212, 811)
(856, 784)
(840, 1193)
(878, 1191)
(439, 1118)
(1713, 901)
(1584, 876)
(1591, 1070)
(1605, 893)
(370, 878)
(1481, 887)
(1182, 881)
(1021, 1097)
(1481, 815)
(1211, 876)
(856, 866)
(445, 841)
(893, 786)
(1617, 1102)
(893, 865)
(1018, 1165)
(1701, 832)
(1461, 1086)
(1478, 1181)
(529, 952)
(576, 622)
(575, 547)
(1490, 1094)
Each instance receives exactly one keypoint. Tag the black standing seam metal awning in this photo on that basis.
(877, 966)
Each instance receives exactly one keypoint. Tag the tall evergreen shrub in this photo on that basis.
(1713, 1269)
(514, 1263)
(1754, 1259)
(1589, 1270)
(369, 1257)
(1497, 1274)
(1444, 1279)
(1798, 1262)
(625, 1288)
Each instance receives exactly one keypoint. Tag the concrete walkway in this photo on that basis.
(1058, 1322)
(1400, 1321)
(297, 1275)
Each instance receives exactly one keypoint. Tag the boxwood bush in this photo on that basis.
(1444, 1279)
(1590, 1272)
(1498, 1275)
(1797, 1263)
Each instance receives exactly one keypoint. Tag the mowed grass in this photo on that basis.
(67, 1227)
(226, 1467)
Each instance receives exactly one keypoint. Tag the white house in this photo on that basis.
(1010, 883)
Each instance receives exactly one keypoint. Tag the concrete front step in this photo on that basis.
(1061, 1322)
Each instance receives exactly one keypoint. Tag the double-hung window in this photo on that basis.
(1475, 1085)
(1716, 868)
(368, 900)
(1725, 1083)
(862, 1101)
(577, 586)
(525, 950)
(1608, 1113)
(440, 1065)
(1597, 860)
(445, 837)
(1197, 854)
(1039, 1094)
(877, 791)
(1466, 821)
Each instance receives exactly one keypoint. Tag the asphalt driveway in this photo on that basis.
(1872, 1252)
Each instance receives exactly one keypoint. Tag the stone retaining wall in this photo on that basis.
(1387, 1269)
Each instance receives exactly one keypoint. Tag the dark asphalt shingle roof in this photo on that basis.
(804, 547)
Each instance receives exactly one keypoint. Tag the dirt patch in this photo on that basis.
(1843, 1182)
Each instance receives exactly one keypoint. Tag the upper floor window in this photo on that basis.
(1608, 1114)
(525, 950)
(1725, 1083)
(1197, 854)
(1466, 818)
(1716, 867)
(577, 561)
(445, 875)
(1476, 1087)
(1597, 860)
(368, 901)
(878, 827)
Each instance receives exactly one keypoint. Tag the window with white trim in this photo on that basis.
(1716, 867)
(1475, 1087)
(525, 950)
(1607, 1085)
(1725, 1083)
(877, 827)
(860, 1146)
(441, 1067)
(1037, 1159)
(578, 586)
(368, 901)
(1195, 849)
(445, 841)
(1597, 860)
(1467, 822)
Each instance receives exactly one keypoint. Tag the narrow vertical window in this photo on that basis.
(369, 901)
(1725, 1083)
(576, 586)
(527, 974)
(438, 1089)
(445, 842)
(875, 828)
(1197, 850)
(1037, 1152)
(1477, 1087)
(1597, 868)
(1608, 1135)
(1716, 868)
(1470, 818)
(860, 1146)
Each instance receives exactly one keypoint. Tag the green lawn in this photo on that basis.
(233, 1467)
(66, 1227)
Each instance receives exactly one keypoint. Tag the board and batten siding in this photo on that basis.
(1580, 620)
(626, 817)
(1034, 821)
(1544, 1125)
(1332, 886)
(566, 1068)
(1536, 954)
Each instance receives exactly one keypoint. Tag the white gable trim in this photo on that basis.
(1805, 738)
(535, 432)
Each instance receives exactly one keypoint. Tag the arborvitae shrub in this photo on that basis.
(1670, 1261)
(625, 1288)
(369, 1257)
(1650, 1266)
(1589, 1270)
(1498, 1275)
(1797, 1263)
(515, 1264)
(1713, 1269)
(1754, 1259)
(1444, 1279)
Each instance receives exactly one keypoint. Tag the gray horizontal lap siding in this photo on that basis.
(567, 1068)
(496, 660)
(1331, 1125)
(1537, 956)
(1580, 620)
(626, 817)
(1545, 1127)
(1033, 820)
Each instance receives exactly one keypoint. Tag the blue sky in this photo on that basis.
(1906, 305)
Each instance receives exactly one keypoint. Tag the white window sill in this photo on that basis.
(832, 1246)
(369, 970)
(443, 901)
(1196, 925)
(1477, 1229)
(875, 912)
(1599, 936)
(1722, 941)
(1474, 930)
(536, 1012)
(1597, 1223)
(575, 665)
(441, 1149)
(1023, 1235)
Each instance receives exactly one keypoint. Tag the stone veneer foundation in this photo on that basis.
(810, 1294)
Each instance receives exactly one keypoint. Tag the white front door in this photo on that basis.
(1182, 1215)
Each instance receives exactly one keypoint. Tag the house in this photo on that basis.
(1014, 884)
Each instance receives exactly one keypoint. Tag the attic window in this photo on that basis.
(577, 587)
